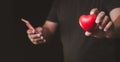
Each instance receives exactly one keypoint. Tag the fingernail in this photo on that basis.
(105, 30)
(91, 12)
(88, 33)
(41, 37)
(100, 27)
(97, 21)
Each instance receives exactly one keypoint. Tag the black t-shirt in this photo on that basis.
(77, 47)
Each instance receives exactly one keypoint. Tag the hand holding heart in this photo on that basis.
(96, 24)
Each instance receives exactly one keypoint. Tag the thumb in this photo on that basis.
(94, 11)
(88, 33)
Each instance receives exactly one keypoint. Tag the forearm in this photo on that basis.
(49, 29)
(47, 34)
(115, 17)
(116, 32)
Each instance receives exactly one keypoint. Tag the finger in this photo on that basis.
(42, 41)
(29, 31)
(105, 21)
(88, 33)
(37, 41)
(41, 37)
(33, 36)
(100, 17)
(94, 11)
(108, 26)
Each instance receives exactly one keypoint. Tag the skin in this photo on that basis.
(109, 26)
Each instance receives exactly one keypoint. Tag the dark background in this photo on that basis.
(18, 48)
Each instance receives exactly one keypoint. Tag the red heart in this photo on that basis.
(87, 22)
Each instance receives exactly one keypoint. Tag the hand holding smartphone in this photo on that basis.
(34, 34)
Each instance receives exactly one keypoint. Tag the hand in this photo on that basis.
(36, 36)
(103, 25)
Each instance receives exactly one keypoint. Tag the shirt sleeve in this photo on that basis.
(52, 16)
(111, 4)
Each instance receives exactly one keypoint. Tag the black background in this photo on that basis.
(16, 45)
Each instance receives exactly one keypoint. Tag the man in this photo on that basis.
(80, 45)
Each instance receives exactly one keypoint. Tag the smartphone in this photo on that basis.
(28, 24)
